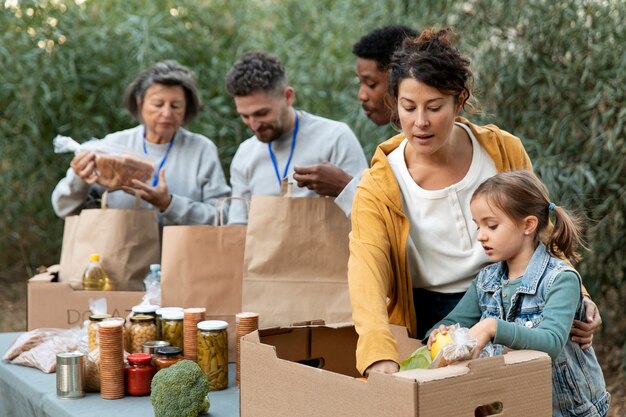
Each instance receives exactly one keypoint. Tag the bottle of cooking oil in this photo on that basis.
(95, 277)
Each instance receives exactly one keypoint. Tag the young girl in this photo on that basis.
(524, 299)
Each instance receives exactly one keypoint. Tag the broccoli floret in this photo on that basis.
(179, 391)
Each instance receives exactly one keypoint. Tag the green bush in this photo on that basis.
(552, 73)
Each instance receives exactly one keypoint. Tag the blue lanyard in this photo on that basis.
(293, 145)
(155, 179)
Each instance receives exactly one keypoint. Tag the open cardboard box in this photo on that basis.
(310, 371)
(56, 304)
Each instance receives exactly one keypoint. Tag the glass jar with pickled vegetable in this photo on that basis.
(172, 328)
(92, 330)
(159, 319)
(142, 329)
(167, 356)
(213, 352)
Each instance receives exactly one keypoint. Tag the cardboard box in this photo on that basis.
(56, 304)
(311, 372)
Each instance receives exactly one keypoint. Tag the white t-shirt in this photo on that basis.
(442, 250)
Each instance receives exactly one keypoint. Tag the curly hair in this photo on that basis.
(380, 44)
(256, 71)
(169, 73)
(432, 60)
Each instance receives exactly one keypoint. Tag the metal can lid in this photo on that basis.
(212, 325)
(145, 308)
(152, 345)
(69, 358)
(162, 310)
(139, 358)
(99, 317)
(140, 318)
(169, 350)
(173, 315)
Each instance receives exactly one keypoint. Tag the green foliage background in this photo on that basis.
(552, 73)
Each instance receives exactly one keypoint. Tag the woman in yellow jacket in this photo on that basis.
(413, 251)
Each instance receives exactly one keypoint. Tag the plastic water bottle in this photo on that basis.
(95, 277)
(153, 279)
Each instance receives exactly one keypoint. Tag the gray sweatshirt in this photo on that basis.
(193, 173)
(318, 140)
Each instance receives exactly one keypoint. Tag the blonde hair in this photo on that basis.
(520, 194)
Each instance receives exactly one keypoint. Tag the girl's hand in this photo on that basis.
(158, 196)
(483, 332)
(431, 338)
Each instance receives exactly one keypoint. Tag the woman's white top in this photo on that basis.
(443, 253)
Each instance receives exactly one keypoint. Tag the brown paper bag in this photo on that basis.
(202, 266)
(127, 241)
(296, 261)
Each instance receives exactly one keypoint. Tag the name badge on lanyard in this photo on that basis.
(293, 146)
(155, 179)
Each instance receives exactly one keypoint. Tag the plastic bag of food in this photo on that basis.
(116, 166)
(27, 341)
(43, 355)
(462, 347)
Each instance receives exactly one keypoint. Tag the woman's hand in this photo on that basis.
(582, 331)
(384, 367)
(483, 332)
(158, 196)
(84, 165)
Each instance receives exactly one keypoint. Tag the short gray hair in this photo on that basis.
(169, 73)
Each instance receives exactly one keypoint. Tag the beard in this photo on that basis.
(268, 133)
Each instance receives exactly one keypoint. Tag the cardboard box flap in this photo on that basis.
(51, 274)
(405, 345)
(479, 367)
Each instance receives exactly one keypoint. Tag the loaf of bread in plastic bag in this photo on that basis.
(119, 170)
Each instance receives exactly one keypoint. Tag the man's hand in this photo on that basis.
(158, 196)
(384, 367)
(325, 178)
(582, 331)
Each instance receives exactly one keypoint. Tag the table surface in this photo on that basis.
(30, 392)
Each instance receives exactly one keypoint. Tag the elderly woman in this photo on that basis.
(188, 177)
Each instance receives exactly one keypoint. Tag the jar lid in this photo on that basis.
(212, 325)
(173, 315)
(145, 308)
(169, 350)
(112, 322)
(69, 358)
(139, 358)
(139, 318)
(162, 310)
(155, 344)
(99, 317)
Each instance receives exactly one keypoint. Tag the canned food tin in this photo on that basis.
(152, 346)
(70, 375)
